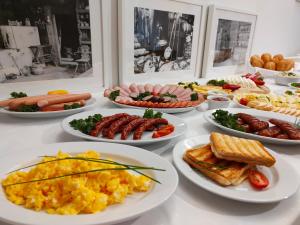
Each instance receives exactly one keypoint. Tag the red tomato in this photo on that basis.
(163, 131)
(258, 179)
(232, 87)
(243, 101)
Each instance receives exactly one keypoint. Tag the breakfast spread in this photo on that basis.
(273, 128)
(229, 160)
(70, 185)
(154, 96)
(124, 124)
(53, 101)
(276, 62)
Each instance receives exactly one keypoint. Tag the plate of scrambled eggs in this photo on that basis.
(83, 183)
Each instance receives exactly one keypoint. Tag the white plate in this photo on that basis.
(179, 124)
(283, 178)
(164, 110)
(90, 103)
(260, 115)
(134, 205)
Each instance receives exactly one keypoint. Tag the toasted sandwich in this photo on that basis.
(221, 171)
(240, 150)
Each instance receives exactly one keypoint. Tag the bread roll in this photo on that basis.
(256, 61)
(270, 66)
(266, 57)
(285, 65)
(277, 58)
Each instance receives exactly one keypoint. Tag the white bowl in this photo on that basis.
(285, 80)
(217, 104)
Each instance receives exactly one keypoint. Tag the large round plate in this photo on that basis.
(260, 115)
(179, 124)
(90, 103)
(134, 205)
(283, 178)
(164, 110)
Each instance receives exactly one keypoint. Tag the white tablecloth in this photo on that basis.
(190, 204)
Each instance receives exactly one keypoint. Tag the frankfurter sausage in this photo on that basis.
(288, 128)
(63, 99)
(130, 127)
(61, 106)
(114, 127)
(254, 123)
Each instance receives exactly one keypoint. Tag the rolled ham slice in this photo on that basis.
(149, 88)
(164, 89)
(141, 88)
(133, 88)
(156, 89)
(125, 88)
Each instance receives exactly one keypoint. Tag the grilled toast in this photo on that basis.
(240, 150)
(221, 171)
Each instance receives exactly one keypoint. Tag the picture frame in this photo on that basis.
(133, 65)
(228, 43)
(93, 82)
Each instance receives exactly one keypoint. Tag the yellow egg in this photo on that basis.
(85, 193)
(58, 92)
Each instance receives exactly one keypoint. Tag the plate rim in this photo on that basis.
(68, 129)
(176, 160)
(174, 180)
(208, 113)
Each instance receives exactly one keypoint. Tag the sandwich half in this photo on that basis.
(221, 171)
(240, 150)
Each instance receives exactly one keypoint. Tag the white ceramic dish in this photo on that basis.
(214, 104)
(164, 110)
(283, 178)
(260, 115)
(285, 80)
(90, 103)
(290, 85)
(179, 124)
(134, 205)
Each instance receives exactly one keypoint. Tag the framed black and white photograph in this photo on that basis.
(159, 40)
(50, 40)
(228, 42)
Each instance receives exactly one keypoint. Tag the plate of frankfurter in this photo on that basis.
(271, 127)
(170, 98)
(47, 105)
(133, 126)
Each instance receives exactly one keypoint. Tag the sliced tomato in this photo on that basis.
(163, 131)
(258, 180)
(243, 101)
(231, 87)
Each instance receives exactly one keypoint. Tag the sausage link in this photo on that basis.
(144, 126)
(115, 126)
(130, 127)
(288, 128)
(254, 123)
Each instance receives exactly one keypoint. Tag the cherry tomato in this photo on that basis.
(257, 179)
(243, 101)
(163, 131)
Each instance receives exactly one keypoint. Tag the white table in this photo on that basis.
(190, 205)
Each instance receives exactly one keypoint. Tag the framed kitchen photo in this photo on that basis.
(52, 44)
(160, 41)
(228, 43)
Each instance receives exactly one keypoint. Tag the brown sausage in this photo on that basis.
(61, 106)
(282, 136)
(130, 127)
(144, 126)
(31, 100)
(288, 128)
(115, 126)
(105, 122)
(254, 123)
(270, 132)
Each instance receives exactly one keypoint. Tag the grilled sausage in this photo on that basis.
(106, 121)
(288, 128)
(254, 123)
(130, 127)
(144, 126)
(270, 132)
(282, 136)
(115, 126)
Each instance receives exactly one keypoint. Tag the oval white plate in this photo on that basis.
(90, 103)
(179, 124)
(164, 110)
(260, 115)
(133, 206)
(284, 181)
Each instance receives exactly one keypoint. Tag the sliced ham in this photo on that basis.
(122, 91)
(123, 99)
(149, 88)
(141, 88)
(125, 88)
(107, 92)
(186, 92)
(172, 88)
(134, 88)
(157, 88)
(164, 89)
(178, 91)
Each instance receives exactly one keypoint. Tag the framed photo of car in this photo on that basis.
(228, 43)
(160, 41)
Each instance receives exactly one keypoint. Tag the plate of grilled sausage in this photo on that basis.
(133, 126)
(268, 127)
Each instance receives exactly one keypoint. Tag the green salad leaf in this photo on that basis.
(227, 119)
(86, 125)
(18, 94)
(72, 106)
(149, 114)
(28, 108)
(113, 95)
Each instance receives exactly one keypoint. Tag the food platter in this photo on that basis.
(163, 110)
(89, 104)
(179, 124)
(260, 115)
(282, 176)
(134, 206)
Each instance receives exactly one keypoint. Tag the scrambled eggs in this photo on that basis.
(84, 193)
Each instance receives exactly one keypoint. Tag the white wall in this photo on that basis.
(278, 25)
